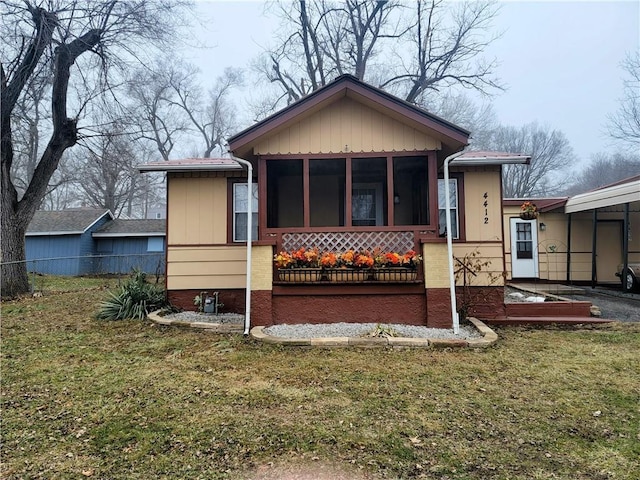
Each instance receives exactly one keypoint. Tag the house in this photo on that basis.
(580, 239)
(59, 242)
(122, 245)
(87, 241)
(347, 167)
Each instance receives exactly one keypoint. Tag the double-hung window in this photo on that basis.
(442, 207)
(241, 210)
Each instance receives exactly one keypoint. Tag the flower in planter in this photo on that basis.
(283, 260)
(301, 258)
(329, 260)
(363, 260)
(394, 259)
(346, 259)
(411, 259)
(529, 208)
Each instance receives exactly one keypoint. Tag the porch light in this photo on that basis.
(543, 227)
(459, 159)
(396, 199)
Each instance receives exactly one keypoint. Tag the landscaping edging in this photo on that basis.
(489, 337)
(211, 326)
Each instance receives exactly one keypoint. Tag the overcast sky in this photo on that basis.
(560, 61)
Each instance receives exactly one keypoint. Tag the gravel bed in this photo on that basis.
(361, 329)
(225, 318)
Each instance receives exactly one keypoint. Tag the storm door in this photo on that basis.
(524, 248)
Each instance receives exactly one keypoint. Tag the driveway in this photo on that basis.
(614, 304)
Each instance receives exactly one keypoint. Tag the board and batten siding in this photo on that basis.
(53, 246)
(198, 256)
(482, 223)
(346, 126)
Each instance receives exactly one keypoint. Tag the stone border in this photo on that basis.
(210, 326)
(489, 337)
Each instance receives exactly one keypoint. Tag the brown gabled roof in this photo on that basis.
(341, 86)
(73, 221)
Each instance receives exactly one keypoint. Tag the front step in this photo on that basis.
(573, 320)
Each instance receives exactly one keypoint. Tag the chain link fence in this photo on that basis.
(78, 272)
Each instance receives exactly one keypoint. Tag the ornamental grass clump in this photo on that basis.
(133, 300)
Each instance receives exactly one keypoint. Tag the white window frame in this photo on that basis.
(453, 182)
(254, 207)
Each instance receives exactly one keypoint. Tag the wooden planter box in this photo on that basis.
(395, 274)
(299, 275)
(344, 275)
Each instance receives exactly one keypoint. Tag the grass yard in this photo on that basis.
(131, 400)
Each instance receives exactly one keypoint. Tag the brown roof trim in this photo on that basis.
(339, 86)
(543, 204)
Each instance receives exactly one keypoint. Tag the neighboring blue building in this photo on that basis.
(90, 241)
(60, 242)
(122, 245)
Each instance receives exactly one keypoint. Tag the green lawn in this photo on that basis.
(126, 400)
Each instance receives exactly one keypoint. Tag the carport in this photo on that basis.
(622, 196)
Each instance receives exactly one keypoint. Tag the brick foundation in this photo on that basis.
(485, 302)
(261, 308)
(549, 309)
(408, 309)
(438, 308)
(432, 309)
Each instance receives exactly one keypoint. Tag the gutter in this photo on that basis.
(469, 161)
(247, 314)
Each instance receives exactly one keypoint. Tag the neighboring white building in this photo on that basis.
(157, 212)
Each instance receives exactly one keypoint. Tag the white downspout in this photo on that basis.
(247, 313)
(452, 281)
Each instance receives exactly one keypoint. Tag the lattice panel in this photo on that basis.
(342, 241)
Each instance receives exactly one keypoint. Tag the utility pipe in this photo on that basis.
(247, 313)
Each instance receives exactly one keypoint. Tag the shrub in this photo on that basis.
(134, 299)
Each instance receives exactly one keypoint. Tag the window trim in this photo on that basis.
(459, 177)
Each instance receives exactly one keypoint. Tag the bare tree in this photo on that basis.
(153, 105)
(605, 169)
(433, 45)
(168, 105)
(550, 153)
(214, 120)
(107, 175)
(95, 38)
(479, 118)
(624, 125)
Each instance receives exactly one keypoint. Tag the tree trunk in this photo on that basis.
(14, 267)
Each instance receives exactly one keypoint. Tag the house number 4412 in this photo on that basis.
(485, 204)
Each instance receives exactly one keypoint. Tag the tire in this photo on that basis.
(631, 282)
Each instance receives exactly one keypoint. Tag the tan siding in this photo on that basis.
(197, 211)
(491, 252)
(346, 122)
(476, 184)
(206, 267)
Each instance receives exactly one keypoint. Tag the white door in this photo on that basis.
(524, 248)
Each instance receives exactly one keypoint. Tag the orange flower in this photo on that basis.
(328, 260)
